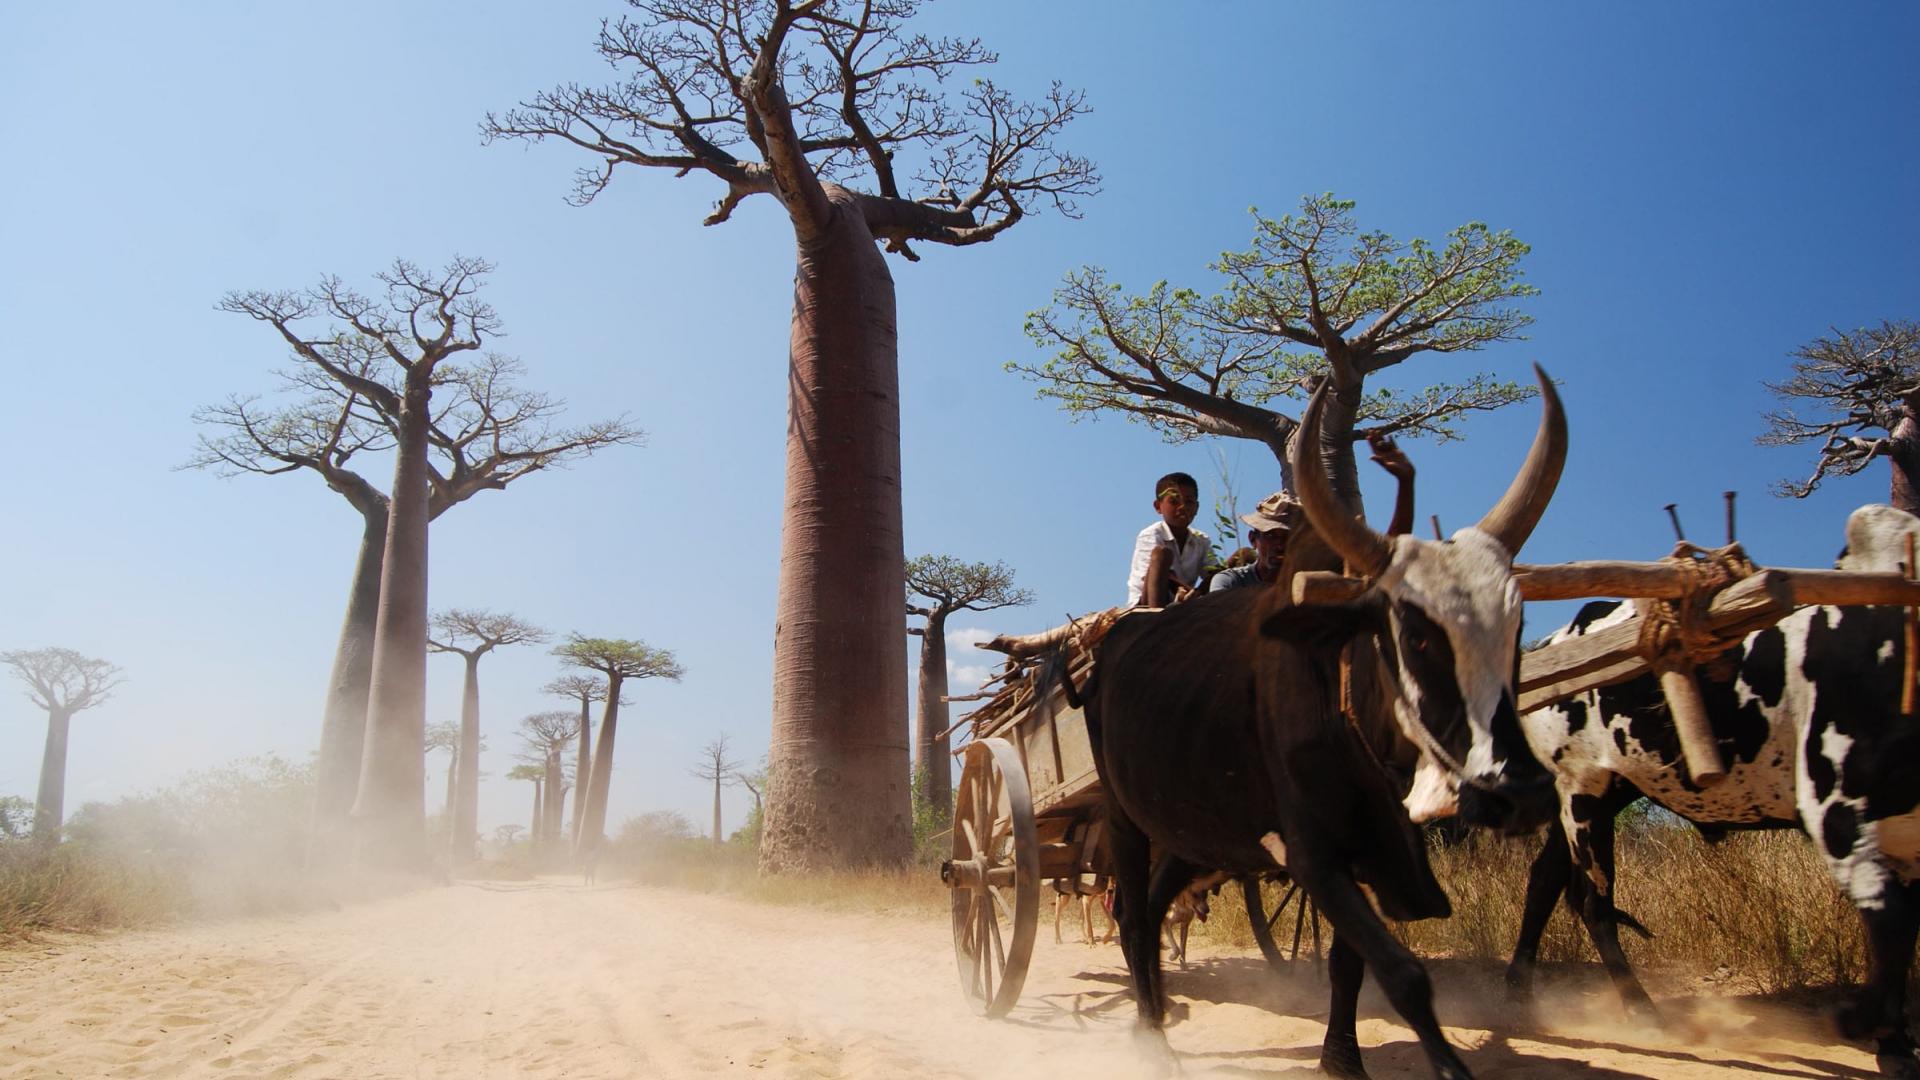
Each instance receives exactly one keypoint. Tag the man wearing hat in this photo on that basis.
(1274, 520)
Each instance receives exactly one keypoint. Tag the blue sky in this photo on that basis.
(1705, 187)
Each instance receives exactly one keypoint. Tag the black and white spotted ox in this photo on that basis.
(1221, 743)
(1810, 729)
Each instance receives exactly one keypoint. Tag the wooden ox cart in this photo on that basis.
(1028, 806)
(1028, 811)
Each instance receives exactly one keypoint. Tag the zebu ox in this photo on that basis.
(1218, 732)
(1810, 730)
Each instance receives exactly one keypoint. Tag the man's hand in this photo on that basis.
(1389, 456)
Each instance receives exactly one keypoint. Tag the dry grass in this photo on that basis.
(1753, 913)
(732, 869)
(66, 888)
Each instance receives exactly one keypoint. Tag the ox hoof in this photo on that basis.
(1642, 1011)
(1152, 1046)
(1520, 986)
(1897, 1059)
(1342, 1060)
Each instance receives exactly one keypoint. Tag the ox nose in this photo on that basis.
(1511, 806)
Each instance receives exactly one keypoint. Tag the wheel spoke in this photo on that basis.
(973, 838)
(999, 950)
(1001, 903)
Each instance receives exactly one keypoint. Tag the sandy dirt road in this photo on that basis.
(547, 979)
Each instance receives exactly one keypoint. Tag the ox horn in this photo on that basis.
(1512, 519)
(1366, 551)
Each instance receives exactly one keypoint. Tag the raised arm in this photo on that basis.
(1391, 458)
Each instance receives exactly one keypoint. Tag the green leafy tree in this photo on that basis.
(866, 133)
(1314, 297)
(945, 585)
(1856, 384)
(16, 817)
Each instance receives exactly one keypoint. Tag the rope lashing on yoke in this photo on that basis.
(1676, 638)
(1677, 632)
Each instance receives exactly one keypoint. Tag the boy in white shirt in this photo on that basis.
(1167, 555)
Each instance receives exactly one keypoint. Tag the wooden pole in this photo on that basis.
(1728, 495)
(1697, 743)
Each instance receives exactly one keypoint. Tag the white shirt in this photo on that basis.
(1186, 558)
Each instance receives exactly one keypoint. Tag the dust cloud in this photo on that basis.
(552, 978)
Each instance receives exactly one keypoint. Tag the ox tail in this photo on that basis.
(1621, 918)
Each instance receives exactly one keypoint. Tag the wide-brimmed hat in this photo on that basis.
(1279, 510)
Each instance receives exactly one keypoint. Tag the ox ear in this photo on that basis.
(1328, 625)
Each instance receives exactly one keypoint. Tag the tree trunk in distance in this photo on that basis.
(556, 797)
(593, 827)
(838, 762)
(465, 822)
(49, 807)
(534, 826)
(1903, 458)
(390, 809)
(343, 726)
(582, 769)
(933, 764)
(453, 774)
(716, 811)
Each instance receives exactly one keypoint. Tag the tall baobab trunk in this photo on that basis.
(343, 727)
(1903, 458)
(453, 774)
(538, 824)
(838, 762)
(464, 819)
(716, 811)
(556, 797)
(582, 770)
(593, 823)
(390, 809)
(49, 807)
(934, 765)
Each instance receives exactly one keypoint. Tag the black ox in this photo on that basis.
(1810, 729)
(1220, 738)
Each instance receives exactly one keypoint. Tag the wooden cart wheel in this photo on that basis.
(994, 875)
(1262, 924)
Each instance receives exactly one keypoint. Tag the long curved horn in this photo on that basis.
(1512, 519)
(1365, 550)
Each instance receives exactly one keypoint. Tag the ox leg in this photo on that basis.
(1340, 1050)
(1880, 1010)
(1591, 898)
(1139, 932)
(1170, 877)
(1546, 883)
(1356, 927)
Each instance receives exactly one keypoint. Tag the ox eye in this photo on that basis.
(1417, 642)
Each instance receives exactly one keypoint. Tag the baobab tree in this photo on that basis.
(446, 736)
(535, 773)
(547, 735)
(717, 768)
(618, 659)
(63, 682)
(1858, 382)
(586, 690)
(946, 585)
(1313, 297)
(867, 133)
(363, 378)
(472, 634)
